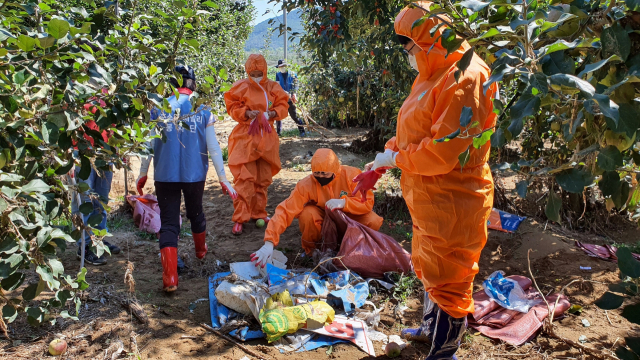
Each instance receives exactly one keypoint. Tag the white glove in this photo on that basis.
(228, 189)
(387, 159)
(335, 204)
(263, 256)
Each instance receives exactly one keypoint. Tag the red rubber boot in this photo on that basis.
(266, 219)
(200, 244)
(169, 258)
(237, 228)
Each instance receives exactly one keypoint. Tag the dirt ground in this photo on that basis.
(173, 330)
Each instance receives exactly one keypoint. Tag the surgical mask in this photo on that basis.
(325, 181)
(283, 70)
(257, 79)
(413, 62)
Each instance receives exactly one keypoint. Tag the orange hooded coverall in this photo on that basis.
(449, 206)
(254, 159)
(307, 201)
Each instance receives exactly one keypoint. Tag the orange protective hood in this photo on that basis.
(420, 34)
(325, 160)
(256, 62)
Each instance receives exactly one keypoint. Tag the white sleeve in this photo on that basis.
(215, 152)
(145, 162)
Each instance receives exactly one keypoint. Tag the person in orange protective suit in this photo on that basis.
(255, 103)
(449, 203)
(329, 187)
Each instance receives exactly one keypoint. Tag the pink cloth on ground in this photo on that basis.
(512, 326)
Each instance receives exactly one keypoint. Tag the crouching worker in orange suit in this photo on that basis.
(328, 188)
(254, 157)
(449, 203)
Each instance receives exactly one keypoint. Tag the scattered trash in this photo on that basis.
(582, 339)
(398, 340)
(193, 305)
(399, 312)
(371, 318)
(606, 252)
(507, 293)
(245, 270)
(219, 313)
(512, 326)
(503, 221)
(364, 251)
(244, 334)
(354, 331)
(279, 317)
(588, 268)
(586, 323)
(575, 309)
(377, 336)
(245, 297)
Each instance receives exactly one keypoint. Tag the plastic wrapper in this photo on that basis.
(507, 293)
(364, 251)
(279, 318)
(503, 221)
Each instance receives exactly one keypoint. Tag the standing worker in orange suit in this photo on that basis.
(449, 204)
(329, 187)
(254, 157)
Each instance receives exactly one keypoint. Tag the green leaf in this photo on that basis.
(9, 265)
(558, 63)
(94, 220)
(9, 313)
(522, 188)
(574, 180)
(498, 139)
(194, 43)
(450, 41)
(609, 301)
(33, 290)
(464, 158)
(26, 43)
(478, 142)
(628, 288)
(565, 80)
(13, 282)
(56, 267)
(36, 185)
(575, 309)
(628, 122)
(419, 22)
(597, 65)
(152, 70)
(624, 354)
(58, 28)
(465, 60)
(627, 263)
(224, 74)
(465, 116)
(47, 42)
(527, 105)
(632, 313)
(610, 183)
(85, 168)
(86, 208)
(609, 158)
(615, 41)
(564, 45)
(633, 343)
(35, 315)
(554, 205)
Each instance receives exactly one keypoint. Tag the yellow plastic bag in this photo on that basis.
(278, 320)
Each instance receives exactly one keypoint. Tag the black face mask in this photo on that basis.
(324, 181)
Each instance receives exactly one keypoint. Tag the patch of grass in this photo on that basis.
(290, 133)
(119, 222)
(298, 168)
(225, 154)
(406, 285)
(635, 248)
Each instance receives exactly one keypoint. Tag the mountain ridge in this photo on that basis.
(256, 39)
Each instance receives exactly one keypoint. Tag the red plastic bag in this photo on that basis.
(366, 252)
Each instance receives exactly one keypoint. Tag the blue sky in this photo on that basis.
(262, 6)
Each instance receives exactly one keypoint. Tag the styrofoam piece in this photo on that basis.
(245, 270)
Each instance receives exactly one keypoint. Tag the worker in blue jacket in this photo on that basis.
(288, 81)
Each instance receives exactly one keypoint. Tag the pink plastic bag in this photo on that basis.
(366, 252)
(146, 212)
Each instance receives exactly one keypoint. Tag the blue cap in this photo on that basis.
(186, 72)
